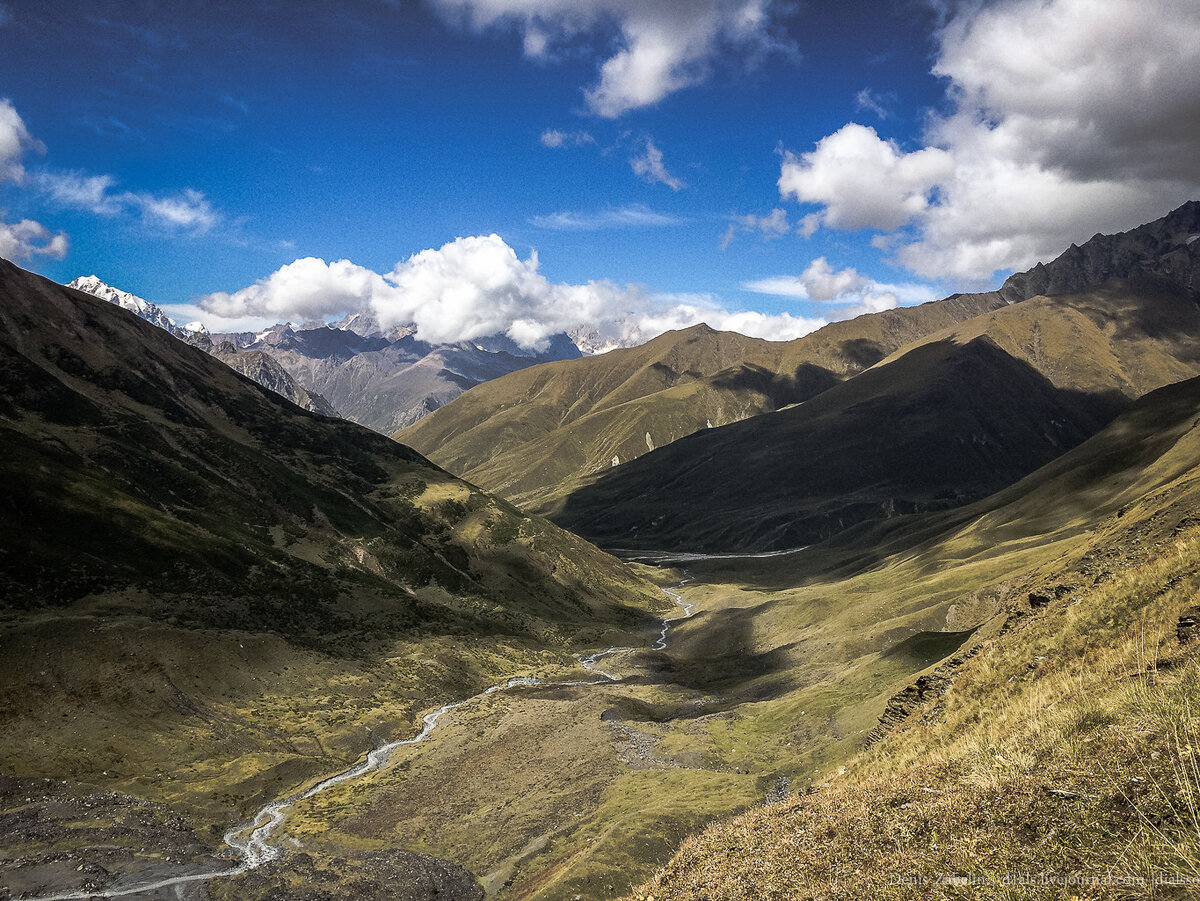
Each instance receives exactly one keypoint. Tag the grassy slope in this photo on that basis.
(533, 435)
(210, 596)
(921, 429)
(778, 676)
(1075, 683)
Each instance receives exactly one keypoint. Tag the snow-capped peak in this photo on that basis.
(143, 309)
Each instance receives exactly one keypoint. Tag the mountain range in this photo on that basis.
(388, 381)
(669, 446)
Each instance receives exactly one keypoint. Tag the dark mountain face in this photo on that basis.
(136, 463)
(1166, 249)
(938, 427)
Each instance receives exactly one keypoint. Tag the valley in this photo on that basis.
(249, 652)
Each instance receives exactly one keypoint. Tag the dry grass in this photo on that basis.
(1065, 763)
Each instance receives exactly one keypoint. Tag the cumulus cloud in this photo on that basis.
(26, 239)
(478, 286)
(663, 46)
(630, 216)
(15, 141)
(308, 288)
(864, 181)
(188, 210)
(1067, 117)
(650, 167)
(848, 292)
(554, 138)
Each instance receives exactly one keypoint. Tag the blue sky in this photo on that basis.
(666, 162)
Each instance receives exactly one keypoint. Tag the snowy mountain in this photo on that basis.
(143, 309)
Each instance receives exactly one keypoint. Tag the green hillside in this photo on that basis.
(211, 597)
(1056, 742)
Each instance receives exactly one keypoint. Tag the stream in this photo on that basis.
(251, 841)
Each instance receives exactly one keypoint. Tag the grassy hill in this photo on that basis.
(951, 418)
(1056, 741)
(210, 596)
(534, 435)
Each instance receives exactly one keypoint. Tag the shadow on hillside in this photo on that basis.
(943, 426)
(807, 382)
(715, 658)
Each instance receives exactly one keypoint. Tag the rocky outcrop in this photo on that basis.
(1167, 249)
(264, 369)
(1188, 628)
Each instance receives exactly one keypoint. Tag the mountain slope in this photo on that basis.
(221, 597)
(261, 369)
(922, 429)
(1056, 743)
(534, 435)
(941, 425)
(113, 422)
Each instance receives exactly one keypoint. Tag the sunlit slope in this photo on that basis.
(946, 420)
(534, 435)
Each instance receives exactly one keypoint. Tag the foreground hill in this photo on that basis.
(210, 596)
(948, 419)
(1053, 741)
(539, 435)
(256, 366)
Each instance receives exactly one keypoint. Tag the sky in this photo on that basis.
(529, 166)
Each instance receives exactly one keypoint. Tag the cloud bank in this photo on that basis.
(1067, 116)
(478, 286)
(662, 46)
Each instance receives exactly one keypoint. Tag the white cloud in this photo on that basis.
(188, 210)
(1068, 117)
(773, 225)
(629, 216)
(15, 140)
(25, 239)
(848, 292)
(473, 287)
(777, 327)
(864, 181)
(307, 288)
(82, 192)
(193, 313)
(663, 45)
(650, 167)
(823, 283)
(554, 138)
